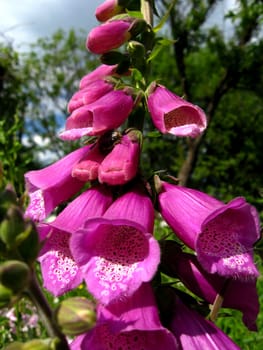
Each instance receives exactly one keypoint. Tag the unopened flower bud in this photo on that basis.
(137, 55)
(109, 35)
(138, 26)
(107, 10)
(14, 275)
(76, 315)
(121, 164)
(113, 57)
(12, 226)
(39, 344)
(7, 198)
(5, 296)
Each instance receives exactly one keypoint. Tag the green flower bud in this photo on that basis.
(137, 55)
(137, 27)
(5, 296)
(113, 57)
(29, 243)
(15, 346)
(76, 315)
(7, 198)
(14, 275)
(12, 226)
(37, 344)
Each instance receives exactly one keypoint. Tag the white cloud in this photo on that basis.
(26, 20)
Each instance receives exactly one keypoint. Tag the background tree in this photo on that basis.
(53, 68)
(15, 158)
(223, 74)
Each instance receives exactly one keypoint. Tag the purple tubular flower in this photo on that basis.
(100, 72)
(106, 113)
(87, 169)
(221, 234)
(239, 295)
(195, 333)
(53, 185)
(59, 270)
(108, 9)
(109, 36)
(132, 324)
(174, 115)
(117, 251)
(90, 94)
(121, 164)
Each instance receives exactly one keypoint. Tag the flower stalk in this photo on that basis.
(46, 314)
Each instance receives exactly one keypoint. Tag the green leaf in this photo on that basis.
(165, 17)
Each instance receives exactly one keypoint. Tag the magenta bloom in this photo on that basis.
(108, 9)
(174, 115)
(53, 185)
(239, 295)
(87, 169)
(99, 73)
(196, 333)
(109, 36)
(121, 164)
(59, 270)
(221, 234)
(117, 251)
(106, 113)
(90, 94)
(130, 324)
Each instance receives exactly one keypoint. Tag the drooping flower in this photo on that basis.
(121, 164)
(106, 113)
(174, 115)
(237, 294)
(53, 185)
(117, 252)
(130, 324)
(109, 35)
(195, 333)
(221, 234)
(108, 9)
(90, 94)
(101, 72)
(87, 169)
(59, 270)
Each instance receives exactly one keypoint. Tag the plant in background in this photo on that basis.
(105, 234)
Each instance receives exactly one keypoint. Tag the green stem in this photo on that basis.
(46, 314)
(147, 11)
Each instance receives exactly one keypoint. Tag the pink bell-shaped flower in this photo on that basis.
(90, 94)
(195, 332)
(53, 185)
(222, 235)
(109, 35)
(108, 9)
(237, 294)
(117, 252)
(121, 164)
(101, 72)
(106, 113)
(130, 324)
(174, 115)
(59, 270)
(88, 168)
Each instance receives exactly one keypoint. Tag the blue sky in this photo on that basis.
(23, 21)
